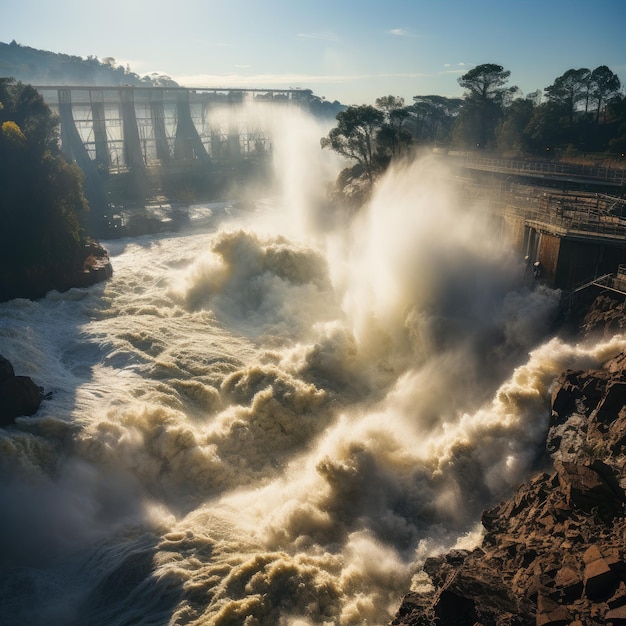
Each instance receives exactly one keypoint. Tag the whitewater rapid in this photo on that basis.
(267, 419)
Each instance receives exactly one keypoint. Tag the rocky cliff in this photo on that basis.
(554, 554)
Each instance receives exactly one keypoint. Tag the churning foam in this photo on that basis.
(270, 420)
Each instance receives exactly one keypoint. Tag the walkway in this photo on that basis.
(613, 176)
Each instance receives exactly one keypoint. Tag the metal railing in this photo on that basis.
(576, 224)
(611, 174)
(565, 213)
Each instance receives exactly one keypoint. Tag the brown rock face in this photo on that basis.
(555, 552)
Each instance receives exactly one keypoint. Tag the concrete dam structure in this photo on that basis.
(567, 221)
(135, 144)
(134, 128)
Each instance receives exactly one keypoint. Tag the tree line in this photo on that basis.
(582, 111)
(41, 67)
(42, 205)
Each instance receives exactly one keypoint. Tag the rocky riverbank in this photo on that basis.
(93, 267)
(554, 554)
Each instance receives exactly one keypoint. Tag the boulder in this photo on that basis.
(19, 395)
(6, 369)
(591, 487)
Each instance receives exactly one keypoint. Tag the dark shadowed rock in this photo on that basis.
(6, 369)
(35, 282)
(19, 395)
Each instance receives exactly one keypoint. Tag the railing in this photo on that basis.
(615, 175)
(581, 224)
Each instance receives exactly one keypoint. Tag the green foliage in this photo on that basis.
(568, 91)
(583, 109)
(354, 135)
(510, 134)
(41, 198)
(485, 83)
(605, 86)
(482, 110)
(392, 139)
(571, 116)
(387, 104)
(372, 136)
(13, 135)
(431, 118)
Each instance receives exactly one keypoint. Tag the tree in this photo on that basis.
(392, 140)
(568, 90)
(41, 198)
(485, 83)
(511, 133)
(433, 117)
(355, 133)
(387, 104)
(484, 96)
(604, 86)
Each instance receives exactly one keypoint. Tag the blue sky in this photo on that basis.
(346, 50)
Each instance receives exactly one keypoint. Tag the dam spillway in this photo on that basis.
(129, 128)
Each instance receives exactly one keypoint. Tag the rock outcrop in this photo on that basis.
(93, 267)
(19, 395)
(554, 554)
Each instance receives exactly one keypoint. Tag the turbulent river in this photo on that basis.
(275, 415)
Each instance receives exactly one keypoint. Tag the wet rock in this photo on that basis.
(619, 597)
(6, 369)
(616, 617)
(591, 487)
(555, 551)
(19, 395)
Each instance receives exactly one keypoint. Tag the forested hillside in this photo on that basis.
(40, 67)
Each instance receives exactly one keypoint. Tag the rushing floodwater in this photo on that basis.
(274, 416)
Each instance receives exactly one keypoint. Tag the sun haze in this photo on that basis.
(350, 51)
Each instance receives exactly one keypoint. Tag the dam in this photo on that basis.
(134, 143)
(567, 221)
(124, 128)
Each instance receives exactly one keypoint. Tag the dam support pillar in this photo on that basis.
(188, 144)
(74, 148)
(234, 142)
(132, 145)
(157, 115)
(98, 117)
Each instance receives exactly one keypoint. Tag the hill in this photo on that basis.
(40, 67)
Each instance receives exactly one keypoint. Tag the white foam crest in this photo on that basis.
(500, 441)
(379, 477)
(263, 285)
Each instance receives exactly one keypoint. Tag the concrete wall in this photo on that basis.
(548, 254)
(568, 263)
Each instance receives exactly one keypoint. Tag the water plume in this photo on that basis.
(422, 269)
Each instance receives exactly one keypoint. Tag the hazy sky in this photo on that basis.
(347, 50)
